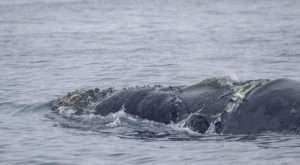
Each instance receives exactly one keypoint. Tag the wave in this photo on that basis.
(120, 123)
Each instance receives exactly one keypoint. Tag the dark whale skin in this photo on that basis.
(249, 107)
(166, 105)
(273, 107)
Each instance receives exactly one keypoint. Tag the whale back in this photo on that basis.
(274, 106)
(169, 104)
(161, 105)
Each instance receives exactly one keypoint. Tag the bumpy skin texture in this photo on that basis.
(148, 103)
(230, 107)
(167, 105)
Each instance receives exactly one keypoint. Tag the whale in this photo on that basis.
(219, 105)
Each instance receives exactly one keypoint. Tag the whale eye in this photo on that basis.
(218, 127)
(198, 123)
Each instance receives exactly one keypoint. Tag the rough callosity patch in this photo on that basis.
(169, 88)
(216, 82)
(81, 101)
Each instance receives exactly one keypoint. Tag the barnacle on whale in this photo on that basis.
(81, 101)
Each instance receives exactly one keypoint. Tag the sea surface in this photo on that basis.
(51, 47)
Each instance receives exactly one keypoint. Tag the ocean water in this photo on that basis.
(51, 47)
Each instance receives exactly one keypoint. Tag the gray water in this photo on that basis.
(51, 47)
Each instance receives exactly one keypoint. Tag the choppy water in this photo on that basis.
(48, 48)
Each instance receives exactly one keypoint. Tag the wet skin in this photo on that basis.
(223, 105)
(274, 107)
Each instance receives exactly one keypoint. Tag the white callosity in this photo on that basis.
(239, 93)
